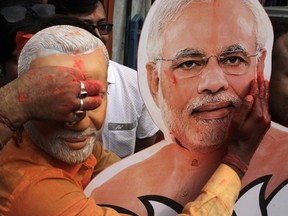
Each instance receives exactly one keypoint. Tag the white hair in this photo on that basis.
(169, 10)
(60, 39)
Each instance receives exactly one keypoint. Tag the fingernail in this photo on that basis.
(249, 98)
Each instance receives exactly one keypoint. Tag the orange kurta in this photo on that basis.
(33, 183)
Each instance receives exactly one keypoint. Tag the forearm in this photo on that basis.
(218, 196)
(12, 116)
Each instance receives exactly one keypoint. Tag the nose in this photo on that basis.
(98, 33)
(212, 78)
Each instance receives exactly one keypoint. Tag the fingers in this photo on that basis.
(243, 111)
(95, 93)
(91, 103)
(267, 91)
(261, 86)
(254, 88)
(88, 103)
(260, 109)
(93, 87)
(254, 108)
(75, 73)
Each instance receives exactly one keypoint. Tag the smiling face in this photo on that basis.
(72, 144)
(197, 108)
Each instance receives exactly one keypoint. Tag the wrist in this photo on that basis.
(4, 120)
(238, 165)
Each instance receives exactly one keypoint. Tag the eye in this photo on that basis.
(233, 60)
(102, 27)
(186, 64)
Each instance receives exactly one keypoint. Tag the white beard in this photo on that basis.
(54, 147)
(197, 135)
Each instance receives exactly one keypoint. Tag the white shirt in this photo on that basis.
(127, 117)
(279, 127)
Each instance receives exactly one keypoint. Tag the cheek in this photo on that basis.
(97, 116)
(240, 85)
(105, 39)
(177, 92)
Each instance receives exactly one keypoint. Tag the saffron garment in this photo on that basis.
(33, 183)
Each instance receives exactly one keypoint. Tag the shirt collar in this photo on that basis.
(279, 127)
(111, 76)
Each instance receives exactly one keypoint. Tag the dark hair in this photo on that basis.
(9, 30)
(65, 20)
(7, 37)
(65, 7)
(9, 3)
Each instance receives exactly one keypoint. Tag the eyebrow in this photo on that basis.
(103, 20)
(186, 53)
(189, 52)
(234, 48)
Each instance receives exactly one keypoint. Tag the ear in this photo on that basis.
(153, 80)
(261, 62)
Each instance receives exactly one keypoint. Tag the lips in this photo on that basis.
(211, 111)
(76, 143)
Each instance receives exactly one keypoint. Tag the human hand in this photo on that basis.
(250, 122)
(52, 93)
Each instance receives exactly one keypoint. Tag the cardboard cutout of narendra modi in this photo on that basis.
(181, 72)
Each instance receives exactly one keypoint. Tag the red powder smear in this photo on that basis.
(48, 78)
(62, 68)
(95, 86)
(39, 83)
(56, 89)
(172, 77)
(79, 64)
(223, 181)
(174, 80)
(83, 76)
(22, 98)
(76, 52)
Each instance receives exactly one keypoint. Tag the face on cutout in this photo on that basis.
(279, 81)
(197, 108)
(98, 17)
(72, 144)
